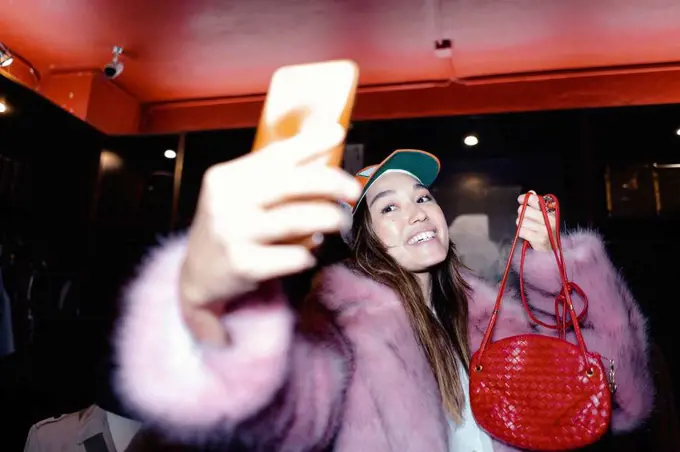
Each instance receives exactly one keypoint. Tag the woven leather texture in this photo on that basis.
(535, 392)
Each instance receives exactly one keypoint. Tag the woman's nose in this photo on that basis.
(418, 214)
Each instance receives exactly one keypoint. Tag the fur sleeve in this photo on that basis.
(274, 379)
(614, 327)
(482, 296)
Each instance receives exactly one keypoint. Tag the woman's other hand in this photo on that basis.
(533, 227)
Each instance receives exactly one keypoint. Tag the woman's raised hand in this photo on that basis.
(533, 227)
(250, 211)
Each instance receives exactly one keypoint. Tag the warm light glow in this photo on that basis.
(3, 107)
(110, 161)
(471, 140)
(170, 154)
(677, 132)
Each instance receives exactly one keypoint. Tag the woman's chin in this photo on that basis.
(425, 257)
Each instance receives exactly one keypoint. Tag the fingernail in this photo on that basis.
(317, 238)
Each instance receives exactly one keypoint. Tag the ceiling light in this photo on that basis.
(170, 154)
(3, 107)
(677, 132)
(6, 57)
(471, 140)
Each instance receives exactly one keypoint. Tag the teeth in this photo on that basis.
(423, 236)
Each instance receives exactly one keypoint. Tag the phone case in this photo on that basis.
(299, 94)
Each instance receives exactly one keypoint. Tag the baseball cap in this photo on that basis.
(420, 165)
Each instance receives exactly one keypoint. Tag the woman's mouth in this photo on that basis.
(421, 237)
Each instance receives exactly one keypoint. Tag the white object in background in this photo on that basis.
(470, 234)
(122, 430)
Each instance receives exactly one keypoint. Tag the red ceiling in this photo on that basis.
(218, 51)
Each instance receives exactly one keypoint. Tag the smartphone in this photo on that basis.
(304, 92)
(301, 93)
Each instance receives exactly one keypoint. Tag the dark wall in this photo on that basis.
(52, 191)
(91, 228)
(132, 211)
(48, 162)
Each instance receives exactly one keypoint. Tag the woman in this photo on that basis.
(374, 359)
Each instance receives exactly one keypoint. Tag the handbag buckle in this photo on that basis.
(550, 203)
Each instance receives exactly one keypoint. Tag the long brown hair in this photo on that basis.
(444, 337)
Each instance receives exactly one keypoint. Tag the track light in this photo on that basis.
(6, 57)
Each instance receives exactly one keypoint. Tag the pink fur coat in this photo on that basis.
(345, 373)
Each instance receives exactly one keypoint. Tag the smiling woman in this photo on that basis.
(408, 221)
(210, 344)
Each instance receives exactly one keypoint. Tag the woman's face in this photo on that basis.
(408, 221)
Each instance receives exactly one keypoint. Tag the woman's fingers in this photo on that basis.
(535, 215)
(533, 228)
(262, 263)
(533, 225)
(531, 236)
(309, 182)
(301, 148)
(298, 219)
(249, 206)
(533, 199)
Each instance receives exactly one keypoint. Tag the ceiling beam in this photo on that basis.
(439, 99)
(93, 98)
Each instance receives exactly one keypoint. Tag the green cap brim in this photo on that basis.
(420, 165)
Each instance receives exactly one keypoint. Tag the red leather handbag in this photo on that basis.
(537, 392)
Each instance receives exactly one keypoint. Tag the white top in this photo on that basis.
(467, 436)
(122, 430)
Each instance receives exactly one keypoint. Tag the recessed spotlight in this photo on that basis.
(3, 107)
(677, 132)
(170, 154)
(471, 140)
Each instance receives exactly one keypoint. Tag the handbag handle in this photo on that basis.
(563, 299)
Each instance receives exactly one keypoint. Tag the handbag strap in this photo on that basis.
(561, 321)
(563, 301)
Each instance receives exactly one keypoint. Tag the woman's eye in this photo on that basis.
(425, 198)
(388, 209)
